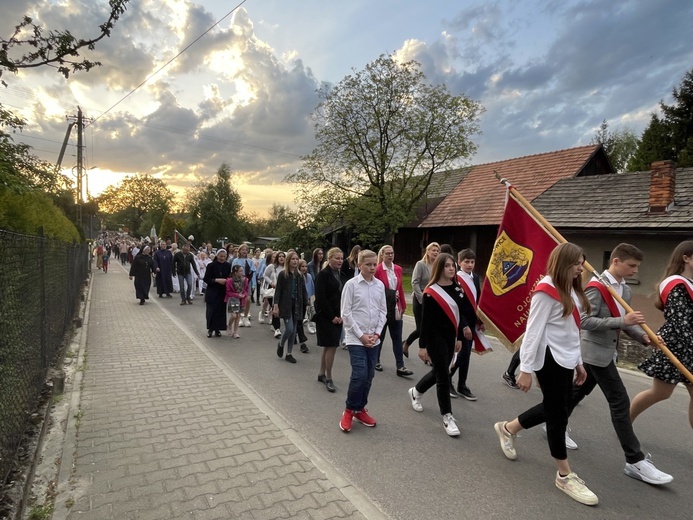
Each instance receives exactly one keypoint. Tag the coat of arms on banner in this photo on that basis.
(509, 265)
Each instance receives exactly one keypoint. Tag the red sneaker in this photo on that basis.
(347, 420)
(364, 418)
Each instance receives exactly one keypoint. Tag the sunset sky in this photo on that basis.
(548, 72)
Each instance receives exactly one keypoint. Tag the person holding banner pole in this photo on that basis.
(443, 327)
(601, 330)
(676, 301)
(551, 350)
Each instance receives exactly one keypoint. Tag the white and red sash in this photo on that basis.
(549, 289)
(669, 283)
(480, 342)
(446, 303)
(607, 297)
(469, 292)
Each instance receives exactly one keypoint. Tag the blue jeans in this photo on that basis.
(363, 362)
(289, 334)
(184, 279)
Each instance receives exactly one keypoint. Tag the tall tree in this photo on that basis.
(669, 136)
(215, 209)
(139, 202)
(382, 134)
(619, 146)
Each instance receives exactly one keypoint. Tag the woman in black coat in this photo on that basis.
(215, 277)
(141, 269)
(328, 322)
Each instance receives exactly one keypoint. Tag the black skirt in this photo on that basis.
(328, 334)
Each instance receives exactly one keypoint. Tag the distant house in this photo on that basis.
(469, 215)
(652, 210)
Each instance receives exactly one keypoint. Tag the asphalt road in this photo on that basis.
(411, 469)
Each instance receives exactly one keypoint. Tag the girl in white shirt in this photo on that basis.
(551, 350)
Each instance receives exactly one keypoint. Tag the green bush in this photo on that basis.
(26, 212)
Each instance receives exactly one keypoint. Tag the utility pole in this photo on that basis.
(78, 121)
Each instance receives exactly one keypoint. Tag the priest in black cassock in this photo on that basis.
(163, 267)
(141, 269)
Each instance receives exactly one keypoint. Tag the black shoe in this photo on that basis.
(209, 333)
(161, 296)
(290, 358)
(168, 295)
(404, 372)
(453, 392)
(217, 333)
(304, 349)
(379, 367)
(189, 302)
(509, 380)
(280, 350)
(183, 302)
(465, 392)
(141, 302)
(321, 378)
(330, 386)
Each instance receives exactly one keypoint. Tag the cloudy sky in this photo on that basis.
(547, 72)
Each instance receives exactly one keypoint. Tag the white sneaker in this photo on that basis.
(570, 444)
(261, 317)
(646, 471)
(277, 333)
(415, 398)
(575, 488)
(450, 425)
(246, 322)
(311, 328)
(240, 322)
(507, 440)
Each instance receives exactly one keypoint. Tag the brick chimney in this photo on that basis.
(662, 186)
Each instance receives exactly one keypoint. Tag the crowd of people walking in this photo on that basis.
(355, 301)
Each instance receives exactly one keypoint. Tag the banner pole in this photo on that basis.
(547, 225)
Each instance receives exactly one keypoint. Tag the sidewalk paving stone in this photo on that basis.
(164, 433)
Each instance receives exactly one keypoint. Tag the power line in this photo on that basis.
(169, 61)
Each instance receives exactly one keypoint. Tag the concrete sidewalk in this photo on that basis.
(160, 428)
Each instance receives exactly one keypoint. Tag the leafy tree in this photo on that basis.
(619, 146)
(168, 226)
(215, 209)
(26, 212)
(139, 202)
(382, 134)
(669, 137)
(59, 49)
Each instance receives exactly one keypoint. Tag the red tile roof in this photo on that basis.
(480, 198)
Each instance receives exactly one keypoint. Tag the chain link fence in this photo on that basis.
(40, 285)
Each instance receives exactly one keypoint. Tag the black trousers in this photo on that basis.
(557, 388)
(616, 395)
(418, 310)
(462, 363)
(440, 352)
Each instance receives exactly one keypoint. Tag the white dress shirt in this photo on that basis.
(363, 308)
(547, 327)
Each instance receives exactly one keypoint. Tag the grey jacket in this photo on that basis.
(599, 334)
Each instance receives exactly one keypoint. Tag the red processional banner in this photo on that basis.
(518, 262)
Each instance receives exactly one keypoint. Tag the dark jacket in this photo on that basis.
(283, 294)
(183, 263)
(328, 294)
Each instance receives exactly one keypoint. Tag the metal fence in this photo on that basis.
(40, 285)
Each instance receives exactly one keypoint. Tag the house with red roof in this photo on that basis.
(470, 213)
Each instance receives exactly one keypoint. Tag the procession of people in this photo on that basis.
(569, 345)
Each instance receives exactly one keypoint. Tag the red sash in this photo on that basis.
(551, 291)
(607, 297)
(669, 283)
(446, 303)
(468, 291)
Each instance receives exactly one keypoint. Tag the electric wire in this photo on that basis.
(169, 61)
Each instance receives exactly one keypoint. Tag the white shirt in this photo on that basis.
(363, 308)
(547, 327)
(618, 287)
(391, 276)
